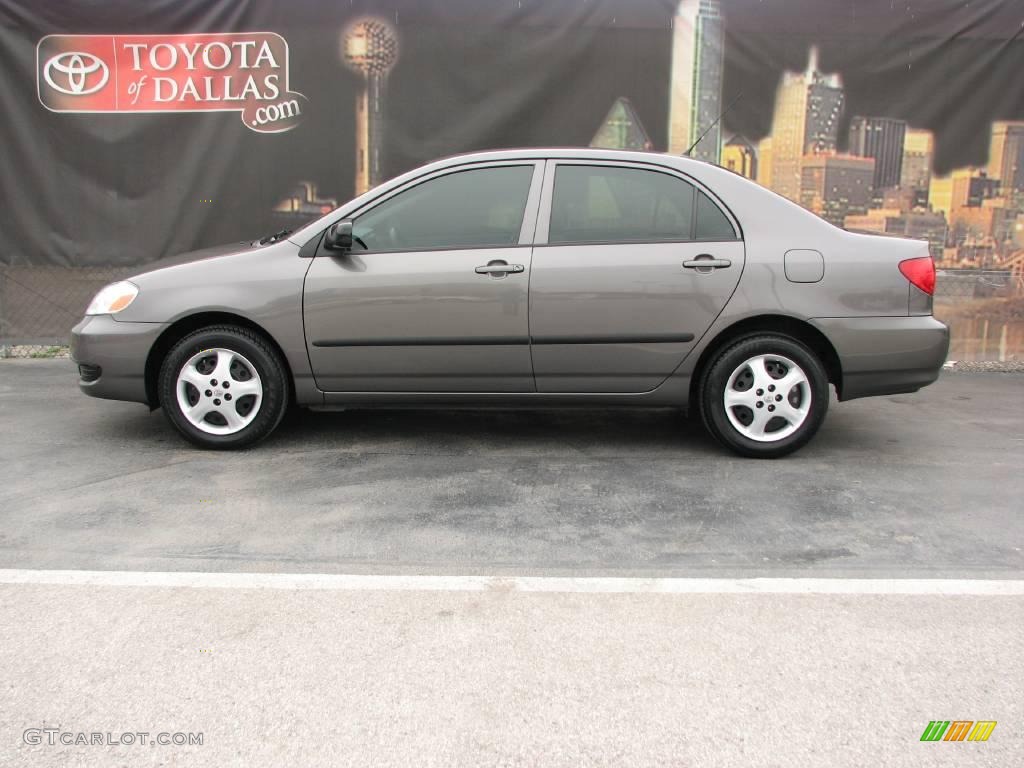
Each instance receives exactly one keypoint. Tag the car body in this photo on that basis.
(535, 277)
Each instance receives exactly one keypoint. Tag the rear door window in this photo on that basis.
(609, 204)
(614, 204)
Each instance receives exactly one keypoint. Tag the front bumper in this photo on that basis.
(886, 355)
(119, 351)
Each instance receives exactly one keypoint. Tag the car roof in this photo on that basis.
(566, 153)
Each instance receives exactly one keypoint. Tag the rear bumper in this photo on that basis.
(886, 355)
(118, 350)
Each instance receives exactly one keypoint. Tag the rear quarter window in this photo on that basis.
(712, 224)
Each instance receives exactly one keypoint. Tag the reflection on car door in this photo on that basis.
(631, 266)
(433, 296)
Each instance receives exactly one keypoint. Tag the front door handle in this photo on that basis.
(706, 263)
(500, 268)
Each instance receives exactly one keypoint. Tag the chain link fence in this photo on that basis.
(960, 285)
(39, 305)
(984, 309)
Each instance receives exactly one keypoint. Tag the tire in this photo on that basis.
(780, 373)
(216, 415)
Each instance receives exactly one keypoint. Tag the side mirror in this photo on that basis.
(339, 236)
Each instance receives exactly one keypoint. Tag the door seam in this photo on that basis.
(529, 280)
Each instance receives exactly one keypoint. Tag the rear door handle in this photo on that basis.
(706, 262)
(500, 268)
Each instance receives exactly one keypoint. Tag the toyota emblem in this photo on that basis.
(82, 73)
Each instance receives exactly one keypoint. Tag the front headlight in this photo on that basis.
(113, 298)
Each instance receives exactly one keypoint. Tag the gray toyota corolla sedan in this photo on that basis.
(526, 278)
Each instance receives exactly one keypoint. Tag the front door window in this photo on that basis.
(477, 208)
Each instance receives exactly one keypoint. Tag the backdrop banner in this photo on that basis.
(133, 131)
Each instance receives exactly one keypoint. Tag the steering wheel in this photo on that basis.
(358, 239)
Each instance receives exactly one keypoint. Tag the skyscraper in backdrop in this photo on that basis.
(1006, 156)
(740, 156)
(836, 186)
(621, 128)
(916, 173)
(695, 90)
(806, 122)
(880, 138)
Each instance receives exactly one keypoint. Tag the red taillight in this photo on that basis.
(920, 272)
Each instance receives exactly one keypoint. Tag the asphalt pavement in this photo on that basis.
(927, 484)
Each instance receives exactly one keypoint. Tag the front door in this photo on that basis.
(433, 295)
(630, 268)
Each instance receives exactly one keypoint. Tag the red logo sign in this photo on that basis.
(243, 72)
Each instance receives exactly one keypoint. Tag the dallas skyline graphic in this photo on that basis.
(882, 182)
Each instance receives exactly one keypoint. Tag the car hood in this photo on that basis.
(239, 278)
(200, 255)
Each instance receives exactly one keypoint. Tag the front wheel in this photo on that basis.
(223, 387)
(764, 396)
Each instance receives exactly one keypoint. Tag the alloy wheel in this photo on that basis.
(767, 398)
(219, 391)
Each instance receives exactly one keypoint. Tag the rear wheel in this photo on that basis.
(764, 396)
(223, 387)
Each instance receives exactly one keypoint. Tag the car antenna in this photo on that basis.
(720, 116)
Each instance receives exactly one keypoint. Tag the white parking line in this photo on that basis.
(596, 584)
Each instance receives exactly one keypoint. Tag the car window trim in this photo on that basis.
(526, 228)
(645, 241)
(447, 248)
(547, 198)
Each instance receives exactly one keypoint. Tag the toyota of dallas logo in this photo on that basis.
(244, 72)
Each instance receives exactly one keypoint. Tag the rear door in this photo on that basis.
(433, 295)
(631, 265)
